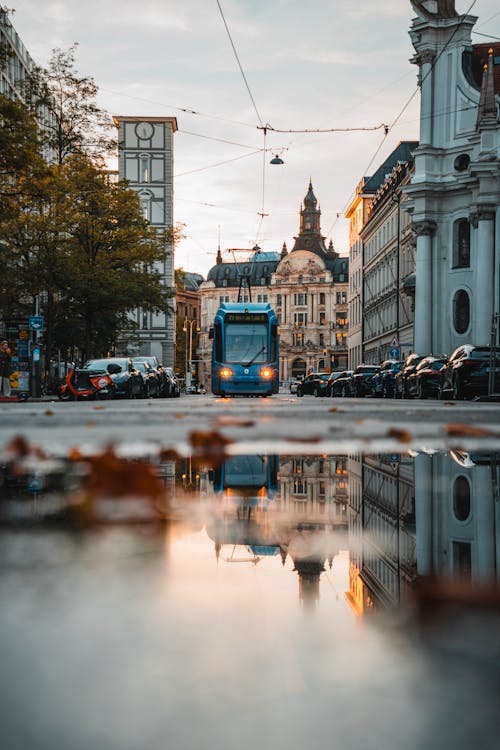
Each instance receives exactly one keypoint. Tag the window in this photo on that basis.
(461, 311)
(461, 498)
(278, 300)
(321, 339)
(462, 559)
(144, 162)
(300, 299)
(300, 317)
(321, 298)
(461, 244)
(322, 318)
(341, 298)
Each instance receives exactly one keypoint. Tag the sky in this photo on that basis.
(320, 64)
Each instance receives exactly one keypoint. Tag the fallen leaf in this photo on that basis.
(113, 476)
(75, 454)
(403, 436)
(48, 413)
(209, 445)
(465, 430)
(336, 409)
(90, 423)
(99, 408)
(168, 454)
(233, 422)
(179, 416)
(18, 447)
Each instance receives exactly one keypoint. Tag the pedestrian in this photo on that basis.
(5, 360)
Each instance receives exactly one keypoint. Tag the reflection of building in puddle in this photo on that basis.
(428, 515)
(270, 505)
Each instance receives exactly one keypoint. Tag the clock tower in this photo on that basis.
(145, 160)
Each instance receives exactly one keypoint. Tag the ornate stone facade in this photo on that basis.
(454, 194)
(307, 287)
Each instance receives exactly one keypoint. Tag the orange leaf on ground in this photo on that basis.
(465, 430)
(403, 436)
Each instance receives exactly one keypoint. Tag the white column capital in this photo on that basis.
(424, 228)
(486, 212)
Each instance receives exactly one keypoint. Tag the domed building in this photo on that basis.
(306, 286)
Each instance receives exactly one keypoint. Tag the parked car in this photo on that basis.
(164, 381)
(127, 379)
(173, 388)
(383, 380)
(426, 378)
(360, 383)
(401, 378)
(150, 378)
(341, 385)
(466, 373)
(313, 384)
(327, 391)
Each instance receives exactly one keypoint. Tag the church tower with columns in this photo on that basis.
(454, 194)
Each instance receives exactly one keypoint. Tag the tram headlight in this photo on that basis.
(266, 373)
(226, 372)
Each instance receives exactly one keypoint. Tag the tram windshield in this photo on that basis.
(246, 343)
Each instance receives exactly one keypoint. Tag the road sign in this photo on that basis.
(394, 353)
(35, 354)
(37, 322)
(395, 342)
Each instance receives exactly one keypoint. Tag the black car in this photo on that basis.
(163, 378)
(328, 389)
(383, 380)
(173, 390)
(127, 379)
(341, 385)
(361, 380)
(426, 379)
(401, 378)
(467, 372)
(150, 377)
(313, 384)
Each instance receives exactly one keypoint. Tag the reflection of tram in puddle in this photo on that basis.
(252, 521)
(244, 487)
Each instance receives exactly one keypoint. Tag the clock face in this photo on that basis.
(144, 130)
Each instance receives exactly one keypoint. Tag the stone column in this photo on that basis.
(484, 511)
(425, 59)
(423, 287)
(485, 250)
(423, 513)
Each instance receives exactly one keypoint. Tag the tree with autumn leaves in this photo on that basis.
(68, 231)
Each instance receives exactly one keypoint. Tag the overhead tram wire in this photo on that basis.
(218, 164)
(239, 63)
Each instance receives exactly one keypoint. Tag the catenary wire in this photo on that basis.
(239, 63)
(403, 109)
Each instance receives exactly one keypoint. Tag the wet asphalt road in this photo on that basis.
(283, 422)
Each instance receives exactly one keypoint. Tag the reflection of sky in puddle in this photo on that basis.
(262, 615)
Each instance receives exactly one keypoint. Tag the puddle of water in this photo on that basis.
(253, 600)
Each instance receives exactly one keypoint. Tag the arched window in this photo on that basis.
(461, 244)
(461, 311)
(145, 196)
(145, 170)
(461, 498)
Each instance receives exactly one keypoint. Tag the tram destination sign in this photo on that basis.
(246, 317)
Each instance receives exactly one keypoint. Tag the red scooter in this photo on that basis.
(86, 384)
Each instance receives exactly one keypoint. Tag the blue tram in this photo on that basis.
(245, 350)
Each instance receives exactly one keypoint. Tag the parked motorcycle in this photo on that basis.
(86, 384)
